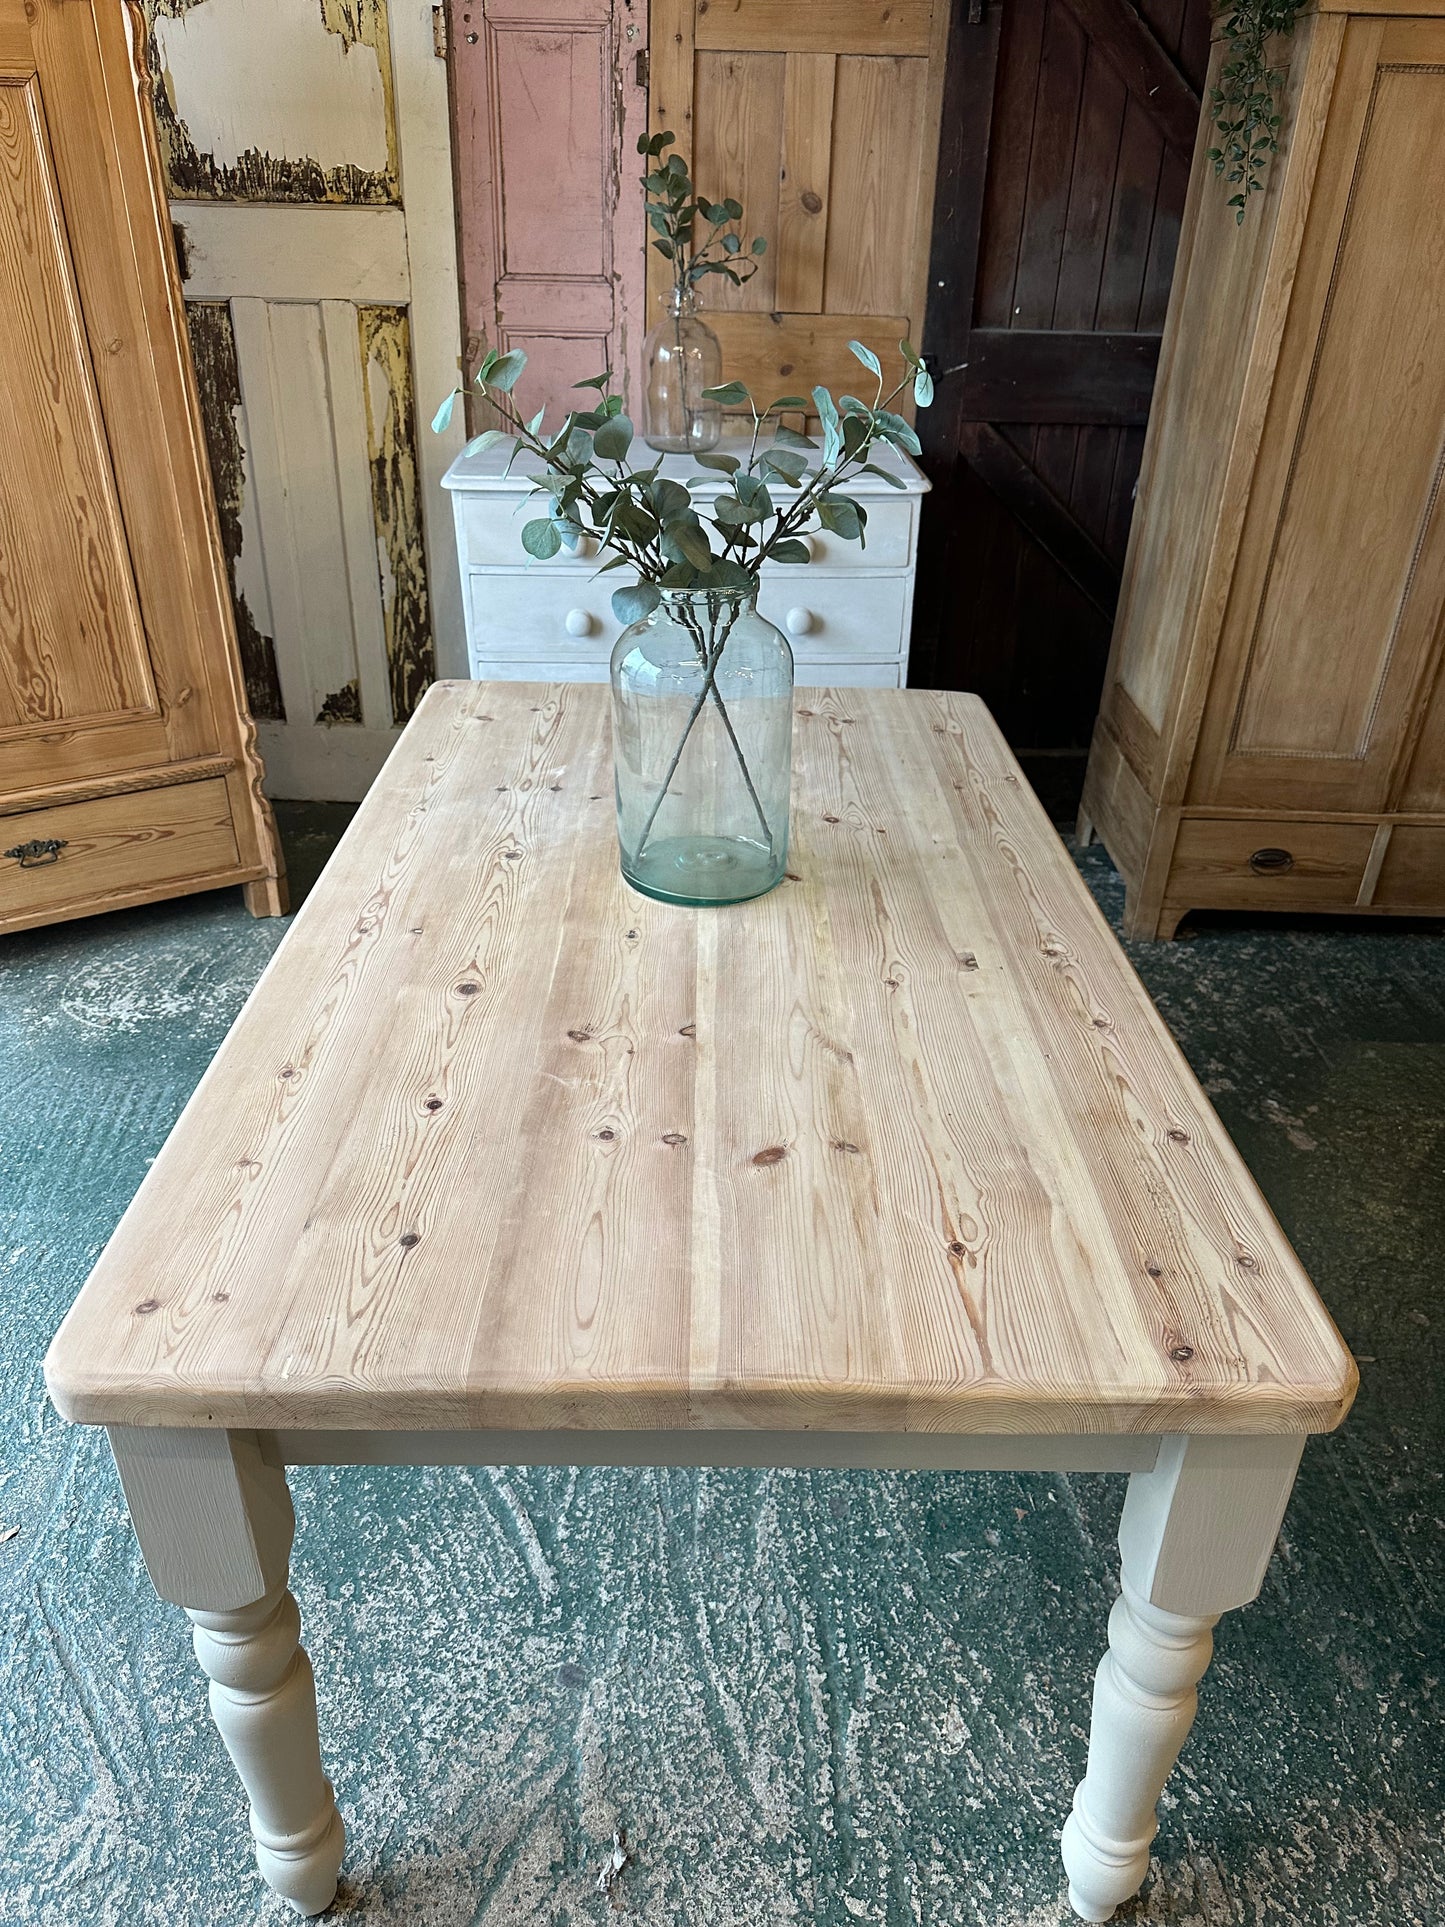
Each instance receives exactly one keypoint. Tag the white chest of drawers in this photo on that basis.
(847, 613)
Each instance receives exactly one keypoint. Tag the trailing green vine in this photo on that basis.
(1245, 104)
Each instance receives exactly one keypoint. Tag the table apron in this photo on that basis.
(870, 1451)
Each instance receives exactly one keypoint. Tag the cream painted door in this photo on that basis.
(309, 172)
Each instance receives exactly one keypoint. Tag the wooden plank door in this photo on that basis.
(309, 175)
(822, 119)
(1067, 134)
(548, 99)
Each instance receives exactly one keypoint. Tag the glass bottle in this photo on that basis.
(702, 739)
(681, 357)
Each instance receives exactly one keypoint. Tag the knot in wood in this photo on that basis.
(673, 1137)
(632, 936)
(408, 1239)
(968, 961)
(512, 856)
(1181, 1354)
(580, 1036)
(220, 1298)
(467, 989)
(958, 1249)
(607, 1134)
(828, 817)
(1247, 1261)
(1102, 1023)
(687, 1030)
(773, 1154)
(792, 876)
(812, 203)
(148, 1305)
(286, 1070)
(842, 1144)
(1154, 1271)
(433, 1103)
(1176, 1136)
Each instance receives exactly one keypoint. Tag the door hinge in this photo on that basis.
(643, 67)
(439, 32)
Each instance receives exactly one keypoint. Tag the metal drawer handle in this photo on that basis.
(38, 852)
(1271, 862)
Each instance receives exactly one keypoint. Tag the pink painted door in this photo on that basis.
(549, 97)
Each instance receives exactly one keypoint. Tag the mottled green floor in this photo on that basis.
(816, 1698)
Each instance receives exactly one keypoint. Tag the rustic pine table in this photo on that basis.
(897, 1166)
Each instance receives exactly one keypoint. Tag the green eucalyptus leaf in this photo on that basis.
(666, 249)
(899, 431)
(908, 352)
(636, 601)
(595, 381)
(730, 393)
(488, 363)
(832, 427)
(669, 498)
(884, 474)
(922, 388)
(724, 464)
(536, 421)
(579, 448)
(488, 438)
(613, 562)
(734, 208)
(613, 439)
(686, 540)
(866, 355)
(728, 510)
(842, 516)
(789, 550)
(505, 370)
(784, 437)
(726, 574)
(760, 245)
(541, 539)
(441, 421)
(731, 244)
(789, 463)
(785, 401)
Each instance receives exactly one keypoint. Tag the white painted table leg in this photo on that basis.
(1196, 1538)
(214, 1521)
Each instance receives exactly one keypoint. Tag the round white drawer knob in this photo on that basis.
(579, 623)
(585, 546)
(800, 622)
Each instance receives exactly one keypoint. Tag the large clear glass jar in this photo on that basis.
(680, 358)
(702, 741)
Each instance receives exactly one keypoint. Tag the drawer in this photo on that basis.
(530, 617)
(111, 846)
(810, 675)
(489, 535)
(1247, 863)
(835, 617)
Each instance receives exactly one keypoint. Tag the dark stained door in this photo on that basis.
(1067, 132)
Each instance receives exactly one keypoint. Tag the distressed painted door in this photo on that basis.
(309, 171)
(1067, 132)
(549, 97)
(822, 119)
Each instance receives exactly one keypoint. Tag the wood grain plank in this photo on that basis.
(902, 1146)
(879, 168)
(820, 26)
(738, 137)
(803, 200)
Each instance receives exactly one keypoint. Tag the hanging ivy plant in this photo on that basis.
(1245, 104)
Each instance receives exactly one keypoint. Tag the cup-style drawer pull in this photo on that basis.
(801, 622)
(578, 623)
(1271, 862)
(39, 851)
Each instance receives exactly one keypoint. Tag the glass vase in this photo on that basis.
(702, 741)
(681, 357)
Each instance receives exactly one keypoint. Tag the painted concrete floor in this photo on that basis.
(815, 1698)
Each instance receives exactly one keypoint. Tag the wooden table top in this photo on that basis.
(903, 1146)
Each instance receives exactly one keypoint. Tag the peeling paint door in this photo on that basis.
(309, 170)
(549, 98)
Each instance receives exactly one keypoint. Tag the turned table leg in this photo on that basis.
(1196, 1538)
(214, 1522)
